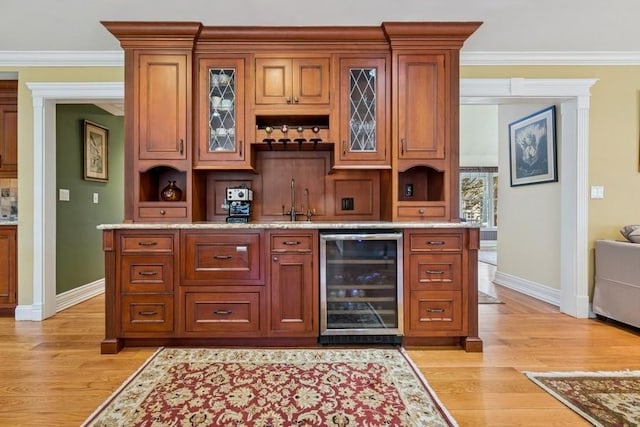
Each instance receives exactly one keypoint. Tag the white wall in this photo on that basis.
(479, 135)
(529, 215)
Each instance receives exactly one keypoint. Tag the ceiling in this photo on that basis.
(509, 25)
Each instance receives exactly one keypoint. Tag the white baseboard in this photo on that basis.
(63, 301)
(78, 295)
(527, 287)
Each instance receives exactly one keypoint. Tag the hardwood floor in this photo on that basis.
(54, 375)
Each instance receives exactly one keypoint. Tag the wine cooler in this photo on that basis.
(361, 287)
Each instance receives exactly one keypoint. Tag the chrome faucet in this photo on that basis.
(292, 213)
(310, 212)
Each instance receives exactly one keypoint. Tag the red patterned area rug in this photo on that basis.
(268, 387)
(602, 398)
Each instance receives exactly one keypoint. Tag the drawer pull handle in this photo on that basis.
(291, 243)
(147, 273)
(435, 242)
(147, 243)
(435, 272)
(147, 313)
(435, 310)
(222, 257)
(223, 312)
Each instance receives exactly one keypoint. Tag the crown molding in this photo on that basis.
(74, 58)
(116, 58)
(550, 58)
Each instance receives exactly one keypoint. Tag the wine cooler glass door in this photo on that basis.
(361, 284)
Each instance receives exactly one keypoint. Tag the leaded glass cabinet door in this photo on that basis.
(222, 115)
(363, 128)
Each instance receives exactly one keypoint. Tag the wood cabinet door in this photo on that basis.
(7, 267)
(421, 109)
(293, 300)
(310, 81)
(163, 106)
(8, 140)
(221, 132)
(363, 124)
(291, 81)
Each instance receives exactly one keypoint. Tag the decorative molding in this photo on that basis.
(77, 295)
(578, 58)
(527, 287)
(61, 58)
(116, 58)
(44, 98)
(63, 301)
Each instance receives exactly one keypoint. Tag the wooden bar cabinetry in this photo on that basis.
(8, 129)
(8, 268)
(343, 124)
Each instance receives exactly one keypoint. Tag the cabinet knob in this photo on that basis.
(223, 312)
(144, 243)
(288, 100)
(275, 259)
(402, 144)
(421, 211)
(181, 146)
(344, 148)
(222, 256)
(162, 212)
(295, 99)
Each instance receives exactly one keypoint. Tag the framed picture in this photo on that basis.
(532, 148)
(96, 152)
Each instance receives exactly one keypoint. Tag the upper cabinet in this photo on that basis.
(221, 118)
(158, 122)
(163, 93)
(9, 129)
(363, 139)
(208, 107)
(424, 122)
(294, 81)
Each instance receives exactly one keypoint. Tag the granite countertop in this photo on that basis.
(8, 222)
(287, 225)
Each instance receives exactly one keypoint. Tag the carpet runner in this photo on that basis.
(602, 398)
(267, 387)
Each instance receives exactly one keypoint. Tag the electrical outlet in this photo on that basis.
(63, 195)
(347, 204)
(408, 190)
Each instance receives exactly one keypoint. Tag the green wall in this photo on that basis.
(79, 256)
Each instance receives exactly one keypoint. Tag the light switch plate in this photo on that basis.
(95, 198)
(597, 192)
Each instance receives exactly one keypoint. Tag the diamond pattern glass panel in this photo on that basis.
(222, 101)
(362, 109)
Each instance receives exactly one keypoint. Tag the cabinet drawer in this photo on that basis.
(432, 242)
(148, 313)
(140, 274)
(436, 311)
(435, 272)
(162, 212)
(224, 257)
(146, 243)
(291, 243)
(422, 212)
(225, 313)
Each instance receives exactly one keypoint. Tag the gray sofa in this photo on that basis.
(617, 281)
